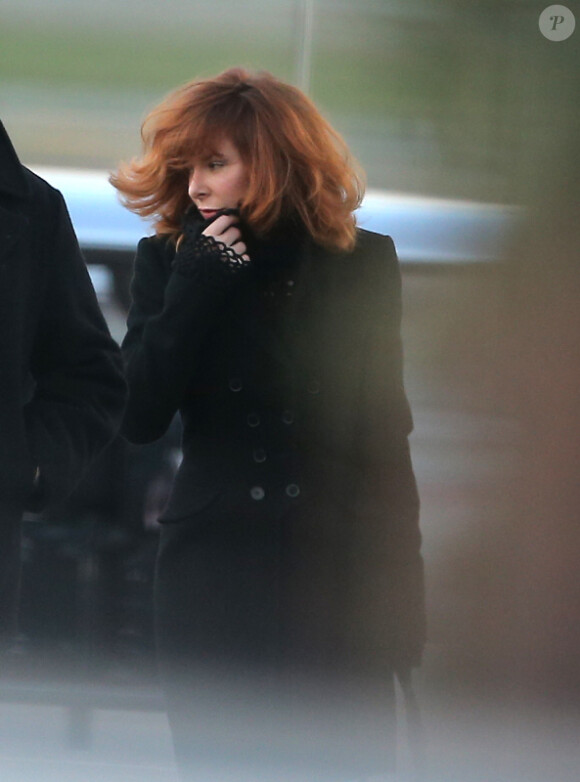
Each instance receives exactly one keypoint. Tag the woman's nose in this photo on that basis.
(197, 185)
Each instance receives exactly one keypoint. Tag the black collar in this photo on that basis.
(12, 179)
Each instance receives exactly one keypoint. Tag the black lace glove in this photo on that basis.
(206, 257)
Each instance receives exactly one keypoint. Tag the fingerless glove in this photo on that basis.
(204, 256)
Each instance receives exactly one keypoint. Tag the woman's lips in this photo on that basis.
(207, 213)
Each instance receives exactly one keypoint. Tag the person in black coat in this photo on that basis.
(289, 584)
(62, 388)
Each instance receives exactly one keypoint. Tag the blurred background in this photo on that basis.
(467, 102)
(447, 98)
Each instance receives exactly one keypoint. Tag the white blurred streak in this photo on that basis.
(304, 39)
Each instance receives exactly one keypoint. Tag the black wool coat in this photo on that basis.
(62, 387)
(290, 387)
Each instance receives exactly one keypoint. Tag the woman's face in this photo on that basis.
(218, 182)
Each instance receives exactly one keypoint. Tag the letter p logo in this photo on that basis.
(557, 23)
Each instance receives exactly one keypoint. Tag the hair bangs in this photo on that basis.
(200, 126)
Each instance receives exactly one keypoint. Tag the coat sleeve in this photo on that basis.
(80, 391)
(169, 319)
(388, 495)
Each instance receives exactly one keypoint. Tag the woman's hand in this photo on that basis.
(225, 229)
(217, 252)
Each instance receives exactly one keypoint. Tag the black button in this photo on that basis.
(253, 419)
(288, 417)
(235, 384)
(257, 493)
(293, 490)
(260, 455)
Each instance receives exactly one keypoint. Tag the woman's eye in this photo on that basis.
(216, 164)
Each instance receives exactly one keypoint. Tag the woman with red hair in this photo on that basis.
(289, 584)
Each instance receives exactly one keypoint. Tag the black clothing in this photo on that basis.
(62, 390)
(290, 542)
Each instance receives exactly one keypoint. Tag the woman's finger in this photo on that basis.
(220, 226)
(229, 237)
(240, 249)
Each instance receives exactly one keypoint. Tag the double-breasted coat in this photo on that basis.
(62, 387)
(292, 528)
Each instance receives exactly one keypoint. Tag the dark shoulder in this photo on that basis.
(372, 253)
(36, 184)
(376, 257)
(152, 245)
(368, 244)
(156, 246)
(371, 268)
(155, 251)
(374, 245)
(40, 192)
(370, 250)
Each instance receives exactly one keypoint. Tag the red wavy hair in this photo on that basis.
(298, 164)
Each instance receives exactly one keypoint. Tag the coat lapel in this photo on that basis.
(12, 179)
(13, 188)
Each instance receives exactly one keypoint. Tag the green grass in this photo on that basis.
(148, 61)
(368, 80)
